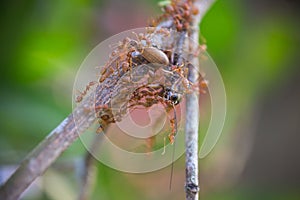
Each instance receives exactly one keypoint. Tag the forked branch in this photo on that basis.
(41, 158)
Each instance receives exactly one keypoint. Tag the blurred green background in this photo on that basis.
(254, 43)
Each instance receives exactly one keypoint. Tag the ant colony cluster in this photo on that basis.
(144, 68)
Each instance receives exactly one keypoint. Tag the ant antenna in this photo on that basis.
(173, 153)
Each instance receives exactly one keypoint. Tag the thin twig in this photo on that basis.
(88, 171)
(192, 112)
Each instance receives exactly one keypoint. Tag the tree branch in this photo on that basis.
(192, 102)
(39, 160)
(192, 111)
(204, 6)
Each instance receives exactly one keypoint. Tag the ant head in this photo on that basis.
(172, 96)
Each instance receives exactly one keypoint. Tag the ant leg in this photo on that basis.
(150, 143)
(173, 120)
(173, 130)
(201, 85)
(164, 151)
(137, 36)
(79, 98)
(105, 106)
(99, 130)
(130, 63)
(173, 124)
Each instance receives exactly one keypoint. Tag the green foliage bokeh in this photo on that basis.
(44, 42)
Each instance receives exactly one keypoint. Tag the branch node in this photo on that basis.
(192, 188)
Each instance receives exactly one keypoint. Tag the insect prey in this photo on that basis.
(141, 71)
